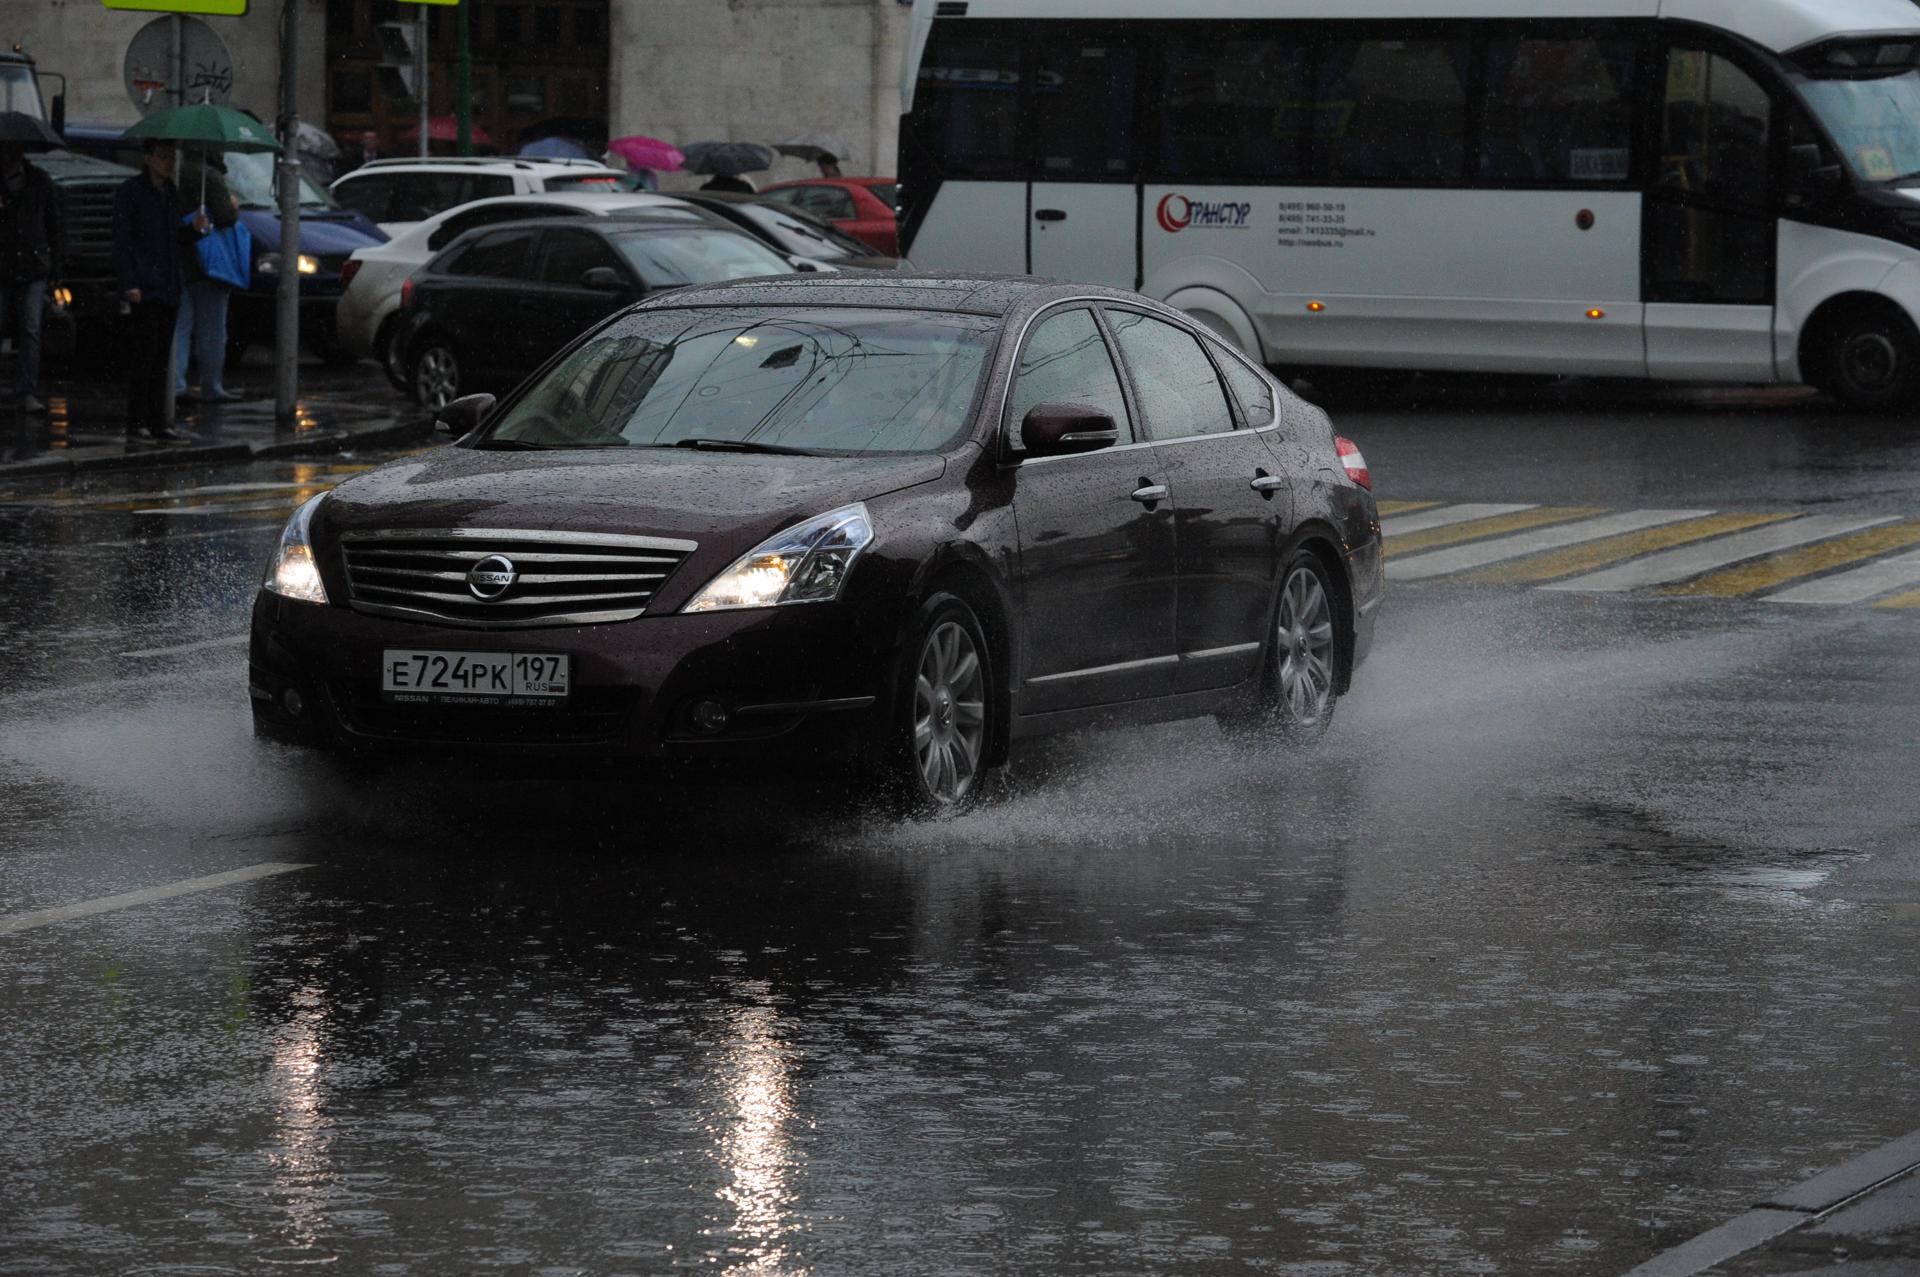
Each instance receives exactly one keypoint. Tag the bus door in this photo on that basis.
(1084, 206)
(1710, 258)
(963, 164)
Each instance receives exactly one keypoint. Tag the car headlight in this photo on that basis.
(269, 264)
(807, 563)
(292, 573)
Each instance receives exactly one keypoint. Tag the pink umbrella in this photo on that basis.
(444, 128)
(647, 152)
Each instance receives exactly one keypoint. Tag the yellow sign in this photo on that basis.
(217, 8)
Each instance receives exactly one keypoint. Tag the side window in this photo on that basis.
(571, 254)
(1557, 110)
(1066, 360)
(785, 194)
(460, 223)
(369, 195)
(1236, 105)
(1395, 110)
(1082, 108)
(480, 186)
(1179, 393)
(966, 104)
(1714, 132)
(1251, 389)
(831, 203)
(498, 255)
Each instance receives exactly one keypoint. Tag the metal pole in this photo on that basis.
(286, 327)
(463, 79)
(420, 76)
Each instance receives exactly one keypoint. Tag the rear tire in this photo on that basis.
(942, 718)
(435, 378)
(1296, 699)
(1869, 360)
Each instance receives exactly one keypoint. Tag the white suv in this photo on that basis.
(398, 193)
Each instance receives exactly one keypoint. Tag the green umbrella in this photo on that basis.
(218, 128)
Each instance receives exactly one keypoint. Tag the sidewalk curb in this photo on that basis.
(320, 443)
(1788, 1208)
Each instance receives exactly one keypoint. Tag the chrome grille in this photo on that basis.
(562, 578)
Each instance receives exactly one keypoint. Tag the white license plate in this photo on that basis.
(474, 678)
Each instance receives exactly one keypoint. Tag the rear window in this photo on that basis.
(887, 193)
(837, 381)
(590, 181)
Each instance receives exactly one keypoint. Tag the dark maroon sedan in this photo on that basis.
(901, 522)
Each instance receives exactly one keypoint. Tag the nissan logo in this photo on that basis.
(491, 577)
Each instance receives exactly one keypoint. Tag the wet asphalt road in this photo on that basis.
(1594, 918)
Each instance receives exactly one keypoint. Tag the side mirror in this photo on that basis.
(603, 279)
(1059, 429)
(1811, 175)
(462, 415)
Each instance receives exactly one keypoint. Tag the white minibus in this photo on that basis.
(1723, 190)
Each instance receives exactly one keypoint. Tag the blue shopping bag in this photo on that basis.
(227, 255)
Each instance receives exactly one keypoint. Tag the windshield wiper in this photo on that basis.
(740, 445)
(510, 445)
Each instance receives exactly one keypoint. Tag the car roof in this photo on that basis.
(575, 199)
(997, 295)
(459, 163)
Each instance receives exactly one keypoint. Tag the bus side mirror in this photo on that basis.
(1811, 174)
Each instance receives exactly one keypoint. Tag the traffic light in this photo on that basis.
(399, 58)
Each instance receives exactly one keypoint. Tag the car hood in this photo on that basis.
(320, 235)
(727, 501)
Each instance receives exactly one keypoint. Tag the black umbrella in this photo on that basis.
(726, 159)
(17, 128)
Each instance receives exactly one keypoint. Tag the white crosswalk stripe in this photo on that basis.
(1445, 516)
(1695, 560)
(1479, 554)
(1858, 585)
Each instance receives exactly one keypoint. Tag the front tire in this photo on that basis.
(943, 710)
(436, 380)
(1297, 694)
(1870, 361)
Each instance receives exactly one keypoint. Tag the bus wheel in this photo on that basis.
(1871, 360)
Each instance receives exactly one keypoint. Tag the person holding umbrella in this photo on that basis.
(32, 243)
(726, 162)
(150, 246)
(201, 327)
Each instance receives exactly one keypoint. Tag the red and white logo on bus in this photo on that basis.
(1177, 212)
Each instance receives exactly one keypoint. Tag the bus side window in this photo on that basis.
(1083, 94)
(1395, 110)
(1714, 133)
(1557, 110)
(966, 104)
(1233, 106)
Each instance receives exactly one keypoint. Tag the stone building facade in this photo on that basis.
(684, 70)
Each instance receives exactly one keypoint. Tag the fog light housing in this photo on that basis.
(293, 702)
(709, 716)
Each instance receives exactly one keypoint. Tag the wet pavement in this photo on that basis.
(1590, 925)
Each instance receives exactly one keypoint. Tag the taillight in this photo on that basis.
(1355, 463)
(406, 295)
(348, 270)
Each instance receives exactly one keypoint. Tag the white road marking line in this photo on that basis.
(129, 899)
(1706, 556)
(230, 640)
(1479, 554)
(1856, 586)
(1445, 516)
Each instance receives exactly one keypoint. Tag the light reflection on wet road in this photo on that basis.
(1591, 920)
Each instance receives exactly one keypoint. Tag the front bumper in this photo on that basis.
(816, 674)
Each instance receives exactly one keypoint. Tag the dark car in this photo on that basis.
(902, 521)
(500, 301)
(86, 186)
(790, 230)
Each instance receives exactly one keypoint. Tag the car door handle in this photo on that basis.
(1266, 484)
(1150, 494)
(1050, 215)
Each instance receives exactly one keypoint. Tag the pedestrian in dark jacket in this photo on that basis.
(32, 242)
(150, 247)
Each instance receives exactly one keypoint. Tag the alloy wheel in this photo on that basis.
(949, 713)
(436, 378)
(1304, 636)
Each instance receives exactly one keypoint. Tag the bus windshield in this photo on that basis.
(19, 91)
(1874, 115)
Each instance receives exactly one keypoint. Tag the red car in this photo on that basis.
(860, 206)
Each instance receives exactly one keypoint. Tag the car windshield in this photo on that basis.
(19, 91)
(250, 178)
(804, 237)
(697, 255)
(837, 381)
(1868, 96)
